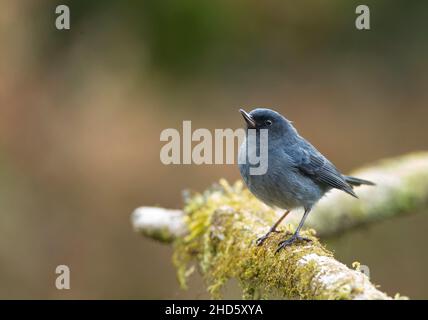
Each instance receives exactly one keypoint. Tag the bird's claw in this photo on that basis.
(290, 241)
(262, 239)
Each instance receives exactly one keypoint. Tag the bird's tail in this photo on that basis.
(357, 181)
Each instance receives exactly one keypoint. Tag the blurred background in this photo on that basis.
(81, 112)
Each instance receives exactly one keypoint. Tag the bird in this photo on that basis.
(297, 174)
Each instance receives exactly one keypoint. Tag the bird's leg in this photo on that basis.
(272, 229)
(296, 236)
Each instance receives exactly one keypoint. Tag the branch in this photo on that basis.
(220, 225)
(221, 240)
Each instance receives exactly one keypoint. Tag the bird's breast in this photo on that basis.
(282, 185)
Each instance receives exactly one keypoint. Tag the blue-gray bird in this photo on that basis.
(298, 175)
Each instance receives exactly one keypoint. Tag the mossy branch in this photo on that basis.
(217, 230)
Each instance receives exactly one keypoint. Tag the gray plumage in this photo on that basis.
(298, 175)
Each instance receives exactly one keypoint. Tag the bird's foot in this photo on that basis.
(262, 239)
(294, 238)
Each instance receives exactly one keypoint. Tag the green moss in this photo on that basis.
(223, 225)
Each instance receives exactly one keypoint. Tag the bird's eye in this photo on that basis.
(268, 122)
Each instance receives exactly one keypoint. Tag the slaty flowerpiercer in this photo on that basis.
(298, 175)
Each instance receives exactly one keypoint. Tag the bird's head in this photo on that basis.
(262, 118)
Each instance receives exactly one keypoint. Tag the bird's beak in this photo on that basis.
(248, 119)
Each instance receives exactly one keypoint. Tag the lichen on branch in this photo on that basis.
(223, 223)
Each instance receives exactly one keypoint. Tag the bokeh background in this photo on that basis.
(81, 112)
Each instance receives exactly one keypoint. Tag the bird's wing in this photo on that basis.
(314, 165)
